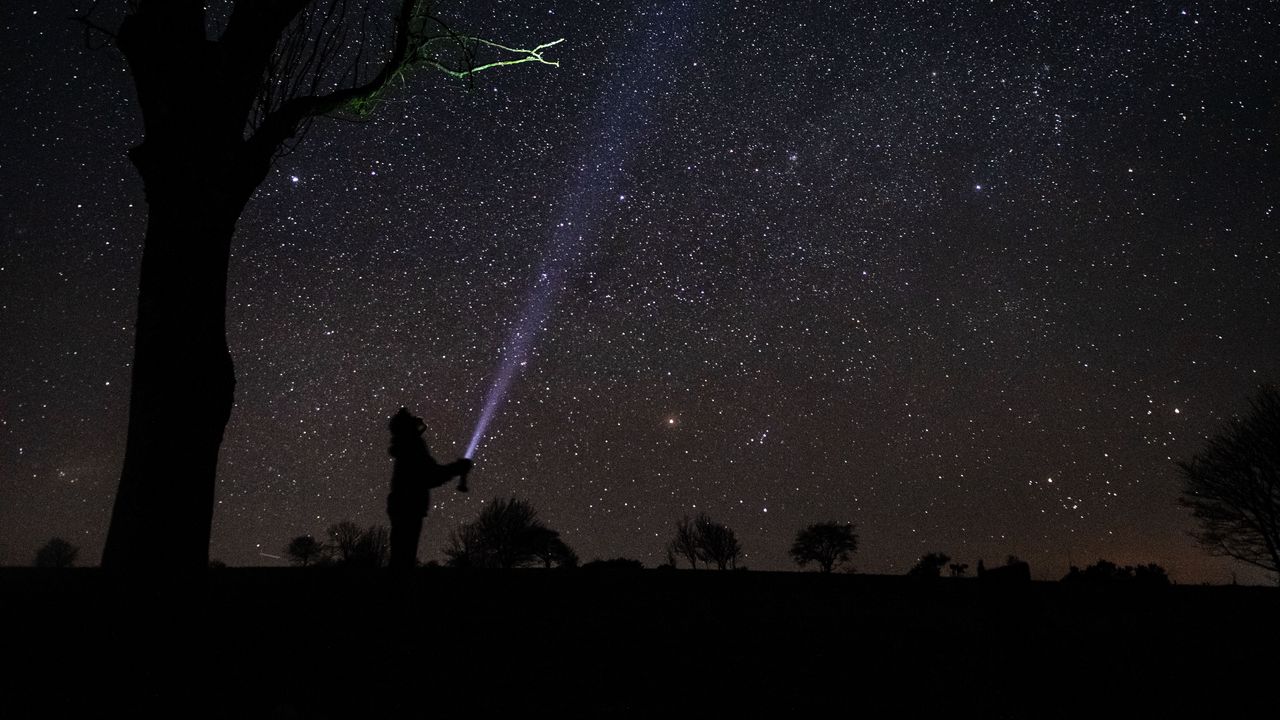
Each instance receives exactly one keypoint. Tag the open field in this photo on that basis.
(329, 643)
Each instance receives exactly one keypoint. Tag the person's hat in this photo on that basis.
(405, 422)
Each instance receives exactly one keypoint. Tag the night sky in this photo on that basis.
(969, 275)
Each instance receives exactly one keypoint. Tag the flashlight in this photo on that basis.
(462, 477)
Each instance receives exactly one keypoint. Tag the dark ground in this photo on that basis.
(329, 643)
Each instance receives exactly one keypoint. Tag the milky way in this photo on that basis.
(969, 275)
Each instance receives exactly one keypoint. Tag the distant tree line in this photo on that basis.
(1105, 572)
(1232, 487)
(509, 534)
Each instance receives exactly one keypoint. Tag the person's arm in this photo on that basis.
(442, 474)
(463, 467)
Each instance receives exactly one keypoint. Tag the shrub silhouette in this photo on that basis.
(304, 550)
(507, 534)
(929, 565)
(57, 553)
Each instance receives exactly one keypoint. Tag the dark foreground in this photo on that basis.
(328, 643)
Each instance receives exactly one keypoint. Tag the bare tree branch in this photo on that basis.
(90, 27)
(418, 39)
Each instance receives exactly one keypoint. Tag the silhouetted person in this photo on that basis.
(412, 478)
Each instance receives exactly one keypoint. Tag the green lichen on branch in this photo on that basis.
(422, 54)
(534, 55)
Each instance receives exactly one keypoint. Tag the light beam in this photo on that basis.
(626, 108)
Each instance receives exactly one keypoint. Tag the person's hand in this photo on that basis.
(464, 465)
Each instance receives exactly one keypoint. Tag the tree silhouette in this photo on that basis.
(465, 547)
(685, 543)
(672, 560)
(703, 539)
(57, 553)
(1105, 572)
(1150, 574)
(958, 569)
(550, 549)
(1232, 486)
(716, 542)
(344, 537)
(217, 108)
(349, 545)
(929, 565)
(827, 543)
(506, 534)
(304, 550)
(372, 548)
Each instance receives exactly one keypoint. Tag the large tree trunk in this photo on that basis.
(198, 173)
(197, 184)
(182, 390)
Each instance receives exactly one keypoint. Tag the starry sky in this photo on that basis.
(968, 275)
